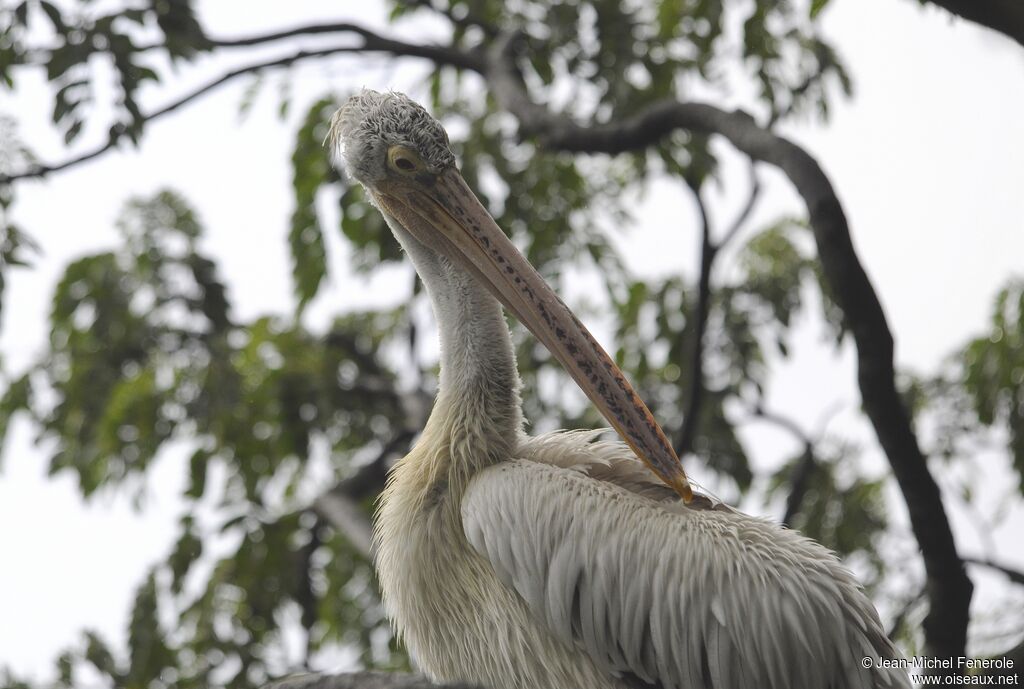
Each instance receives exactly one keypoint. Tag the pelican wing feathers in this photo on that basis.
(676, 596)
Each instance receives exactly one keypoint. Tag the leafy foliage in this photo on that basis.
(311, 169)
(144, 352)
(84, 32)
(840, 510)
(976, 402)
(147, 358)
(15, 245)
(620, 57)
(995, 370)
(991, 385)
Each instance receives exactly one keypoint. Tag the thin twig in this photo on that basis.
(373, 42)
(305, 30)
(781, 421)
(799, 480)
(901, 616)
(1014, 575)
(42, 56)
(748, 207)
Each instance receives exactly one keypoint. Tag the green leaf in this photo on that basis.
(17, 397)
(816, 7)
(249, 95)
(64, 58)
(55, 16)
(363, 226)
(994, 370)
(842, 512)
(98, 654)
(133, 426)
(310, 171)
(197, 471)
(309, 256)
(775, 267)
(14, 247)
(183, 33)
(73, 131)
(148, 653)
(66, 669)
(213, 300)
(186, 551)
(21, 13)
(719, 445)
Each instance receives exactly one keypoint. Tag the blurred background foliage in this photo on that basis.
(145, 352)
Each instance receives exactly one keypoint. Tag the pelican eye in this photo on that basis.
(404, 160)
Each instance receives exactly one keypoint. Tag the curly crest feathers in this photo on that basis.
(370, 122)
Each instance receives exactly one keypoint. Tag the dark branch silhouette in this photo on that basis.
(799, 482)
(709, 250)
(120, 131)
(372, 42)
(1004, 16)
(1014, 575)
(748, 208)
(691, 417)
(800, 479)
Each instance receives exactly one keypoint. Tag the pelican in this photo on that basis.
(563, 561)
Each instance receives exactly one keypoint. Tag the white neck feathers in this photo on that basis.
(477, 418)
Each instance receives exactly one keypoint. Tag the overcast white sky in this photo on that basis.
(926, 158)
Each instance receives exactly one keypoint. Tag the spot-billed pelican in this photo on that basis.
(558, 561)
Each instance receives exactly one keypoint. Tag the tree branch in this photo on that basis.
(949, 588)
(1004, 16)
(748, 208)
(362, 680)
(294, 32)
(800, 479)
(372, 42)
(708, 252)
(340, 505)
(684, 442)
(1014, 575)
(901, 617)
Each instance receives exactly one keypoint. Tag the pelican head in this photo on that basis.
(400, 154)
(373, 129)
